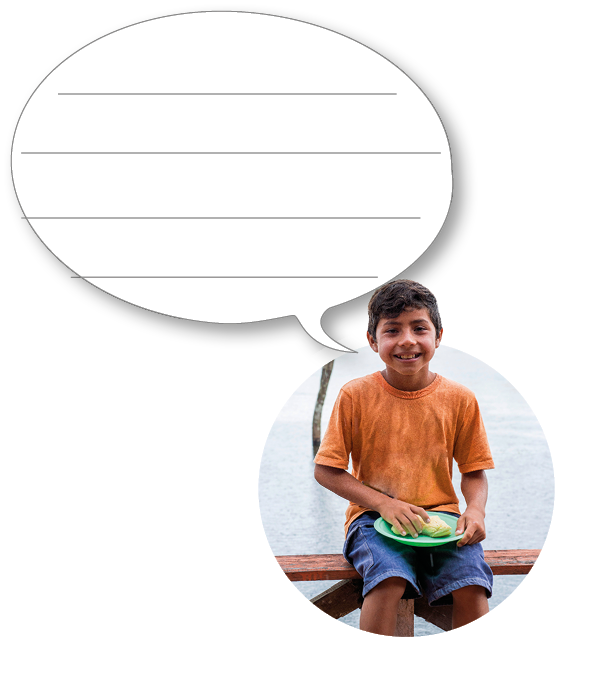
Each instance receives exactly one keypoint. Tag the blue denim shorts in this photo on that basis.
(431, 571)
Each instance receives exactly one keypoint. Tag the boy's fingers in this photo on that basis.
(399, 527)
(411, 521)
(472, 536)
(399, 531)
(422, 513)
(461, 530)
(477, 536)
(408, 527)
(418, 525)
(465, 540)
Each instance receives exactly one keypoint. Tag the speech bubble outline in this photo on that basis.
(84, 238)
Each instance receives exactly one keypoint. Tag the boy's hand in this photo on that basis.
(471, 523)
(404, 518)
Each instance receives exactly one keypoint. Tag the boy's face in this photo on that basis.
(406, 344)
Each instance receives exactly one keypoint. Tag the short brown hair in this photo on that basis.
(394, 297)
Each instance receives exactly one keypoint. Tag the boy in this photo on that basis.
(403, 427)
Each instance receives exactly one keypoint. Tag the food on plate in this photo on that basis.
(436, 528)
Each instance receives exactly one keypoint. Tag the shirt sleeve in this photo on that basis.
(336, 444)
(471, 448)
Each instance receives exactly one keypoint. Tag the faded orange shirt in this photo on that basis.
(403, 443)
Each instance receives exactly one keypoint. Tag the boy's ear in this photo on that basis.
(439, 338)
(372, 342)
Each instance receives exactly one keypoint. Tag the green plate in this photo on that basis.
(383, 527)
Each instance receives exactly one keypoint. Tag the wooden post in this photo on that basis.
(320, 400)
(405, 621)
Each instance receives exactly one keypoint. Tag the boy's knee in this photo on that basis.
(469, 592)
(468, 604)
(391, 588)
(472, 598)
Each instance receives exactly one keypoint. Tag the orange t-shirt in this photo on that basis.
(403, 443)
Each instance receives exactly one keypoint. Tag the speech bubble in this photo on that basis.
(232, 167)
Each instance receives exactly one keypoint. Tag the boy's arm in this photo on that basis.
(404, 517)
(474, 486)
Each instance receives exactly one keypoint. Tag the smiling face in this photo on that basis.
(406, 344)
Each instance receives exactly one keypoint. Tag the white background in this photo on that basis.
(130, 537)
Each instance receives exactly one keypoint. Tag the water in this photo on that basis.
(301, 517)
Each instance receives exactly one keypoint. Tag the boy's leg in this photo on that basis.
(380, 607)
(387, 571)
(468, 604)
(458, 576)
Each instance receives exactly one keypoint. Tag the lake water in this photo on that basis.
(301, 517)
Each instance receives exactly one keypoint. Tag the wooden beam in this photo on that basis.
(340, 599)
(438, 616)
(511, 562)
(317, 567)
(335, 567)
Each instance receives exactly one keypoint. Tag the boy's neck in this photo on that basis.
(408, 383)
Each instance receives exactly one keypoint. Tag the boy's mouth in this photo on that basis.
(408, 356)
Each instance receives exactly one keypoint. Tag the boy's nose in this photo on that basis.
(407, 339)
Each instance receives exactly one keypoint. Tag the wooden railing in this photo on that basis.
(346, 595)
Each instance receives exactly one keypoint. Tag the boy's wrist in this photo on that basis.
(376, 500)
(381, 502)
(476, 510)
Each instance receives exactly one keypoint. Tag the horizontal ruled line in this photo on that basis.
(330, 94)
(224, 276)
(186, 152)
(263, 218)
